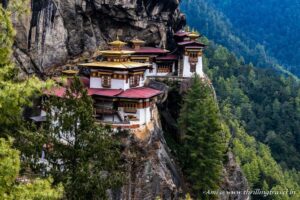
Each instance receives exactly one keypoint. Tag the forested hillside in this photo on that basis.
(275, 24)
(263, 33)
(267, 104)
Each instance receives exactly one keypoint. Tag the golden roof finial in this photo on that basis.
(118, 43)
(194, 35)
(136, 40)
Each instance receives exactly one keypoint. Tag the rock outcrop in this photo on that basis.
(234, 185)
(150, 170)
(56, 31)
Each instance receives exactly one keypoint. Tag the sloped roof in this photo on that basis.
(120, 65)
(191, 43)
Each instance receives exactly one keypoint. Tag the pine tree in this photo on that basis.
(202, 139)
(84, 156)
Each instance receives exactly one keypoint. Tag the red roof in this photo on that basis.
(58, 91)
(134, 93)
(104, 92)
(140, 93)
(167, 57)
(191, 42)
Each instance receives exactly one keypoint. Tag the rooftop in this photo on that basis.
(118, 42)
(70, 72)
(104, 92)
(119, 65)
(140, 93)
(191, 43)
(133, 93)
(150, 50)
(137, 41)
(168, 57)
(116, 52)
(181, 33)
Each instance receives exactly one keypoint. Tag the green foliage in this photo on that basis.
(260, 103)
(84, 156)
(266, 103)
(261, 170)
(240, 28)
(9, 172)
(203, 140)
(269, 24)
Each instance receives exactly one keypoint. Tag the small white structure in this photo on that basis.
(192, 63)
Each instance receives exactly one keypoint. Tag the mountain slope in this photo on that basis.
(257, 106)
(266, 103)
(275, 24)
(204, 16)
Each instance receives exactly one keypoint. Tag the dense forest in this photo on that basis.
(266, 103)
(250, 31)
(261, 104)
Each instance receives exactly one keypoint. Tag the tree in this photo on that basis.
(83, 155)
(203, 142)
(15, 93)
(9, 172)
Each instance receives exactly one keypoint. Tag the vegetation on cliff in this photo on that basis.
(266, 106)
(266, 103)
(203, 143)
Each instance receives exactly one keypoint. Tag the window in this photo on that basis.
(165, 68)
(193, 67)
(134, 81)
(106, 81)
(130, 107)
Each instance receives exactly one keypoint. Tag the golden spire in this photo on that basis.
(117, 44)
(137, 41)
(194, 35)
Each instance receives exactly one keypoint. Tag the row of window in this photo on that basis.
(164, 69)
(133, 81)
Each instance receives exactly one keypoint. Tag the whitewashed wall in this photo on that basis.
(187, 67)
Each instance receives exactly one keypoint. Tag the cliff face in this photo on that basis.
(55, 31)
(150, 169)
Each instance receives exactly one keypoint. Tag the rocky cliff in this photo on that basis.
(55, 31)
